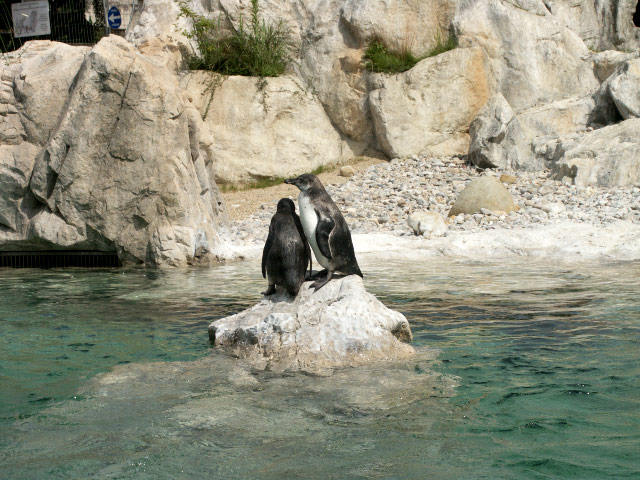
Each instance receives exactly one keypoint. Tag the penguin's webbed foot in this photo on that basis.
(269, 291)
(318, 284)
(317, 275)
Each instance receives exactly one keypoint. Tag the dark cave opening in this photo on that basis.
(636, 15)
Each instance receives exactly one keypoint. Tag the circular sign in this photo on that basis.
(114, 18)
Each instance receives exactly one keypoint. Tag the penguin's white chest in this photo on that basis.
(309, 220)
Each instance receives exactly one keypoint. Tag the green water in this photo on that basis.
(537, 376)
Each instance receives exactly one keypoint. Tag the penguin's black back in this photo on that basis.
(286, 254)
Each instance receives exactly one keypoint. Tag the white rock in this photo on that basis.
(399, 24)
(533, 57)
(429, 108)
(127, 166)
(269, 127)
(483, 192)
(428, 224)
(552, 208)
(609, 156)
(339, 325)
(623, 88)
(16, 164)
(347, 171)
(46, 73)
(497, 139)
(606, 62)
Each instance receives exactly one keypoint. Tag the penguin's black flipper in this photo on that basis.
(265, 251)
(323, 231)
(307, 248)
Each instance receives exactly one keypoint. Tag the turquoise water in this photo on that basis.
(537, 376)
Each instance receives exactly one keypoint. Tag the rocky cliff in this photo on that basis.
(101, 150)
(119, 147)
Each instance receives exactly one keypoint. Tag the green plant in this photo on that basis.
(443, 45)
(264, 182)
(379, 58)
(319, 170)
(261, 183)
(258, 49)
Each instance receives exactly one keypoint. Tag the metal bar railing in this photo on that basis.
(59, 259)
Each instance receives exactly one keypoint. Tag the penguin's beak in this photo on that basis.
(292, 181)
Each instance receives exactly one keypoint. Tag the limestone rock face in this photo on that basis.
(497, 139)
(116, 160)
(400, 24)
(603, 24)
(558, 118)
(500, 138)
(269, 127)
(429, 108)
(339, 325)
(609, 156)
(331, 64)
(534, 59)
(483, 193)
(42, 86)
(16, 163)
(605, 63)
(624, 88)
(160, 19)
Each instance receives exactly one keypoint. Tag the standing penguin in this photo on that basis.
(286, 252)
(326, 229)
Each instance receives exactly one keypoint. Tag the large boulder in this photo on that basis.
(429, 108)
(503, 139)
(608, 157)
(269, 127)
(485, 192)
(339, 325)
(497, 139)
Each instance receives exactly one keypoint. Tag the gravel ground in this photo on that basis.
(381, 197)
(244, 203)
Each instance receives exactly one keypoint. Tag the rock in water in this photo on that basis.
(484, 192)
(340, 325)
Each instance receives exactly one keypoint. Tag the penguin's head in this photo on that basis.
(303, 182)
(286, 205)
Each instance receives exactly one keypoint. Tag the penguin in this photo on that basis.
(286, 252)
(325, 228)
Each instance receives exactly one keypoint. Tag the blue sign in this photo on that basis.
(114, 18)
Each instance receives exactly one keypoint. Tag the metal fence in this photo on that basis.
(77, 22)
(59, 259)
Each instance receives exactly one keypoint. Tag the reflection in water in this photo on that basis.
(537, 376)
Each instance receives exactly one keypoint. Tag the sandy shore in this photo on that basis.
(242, 204)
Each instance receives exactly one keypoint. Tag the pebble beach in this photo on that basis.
(380, 198)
